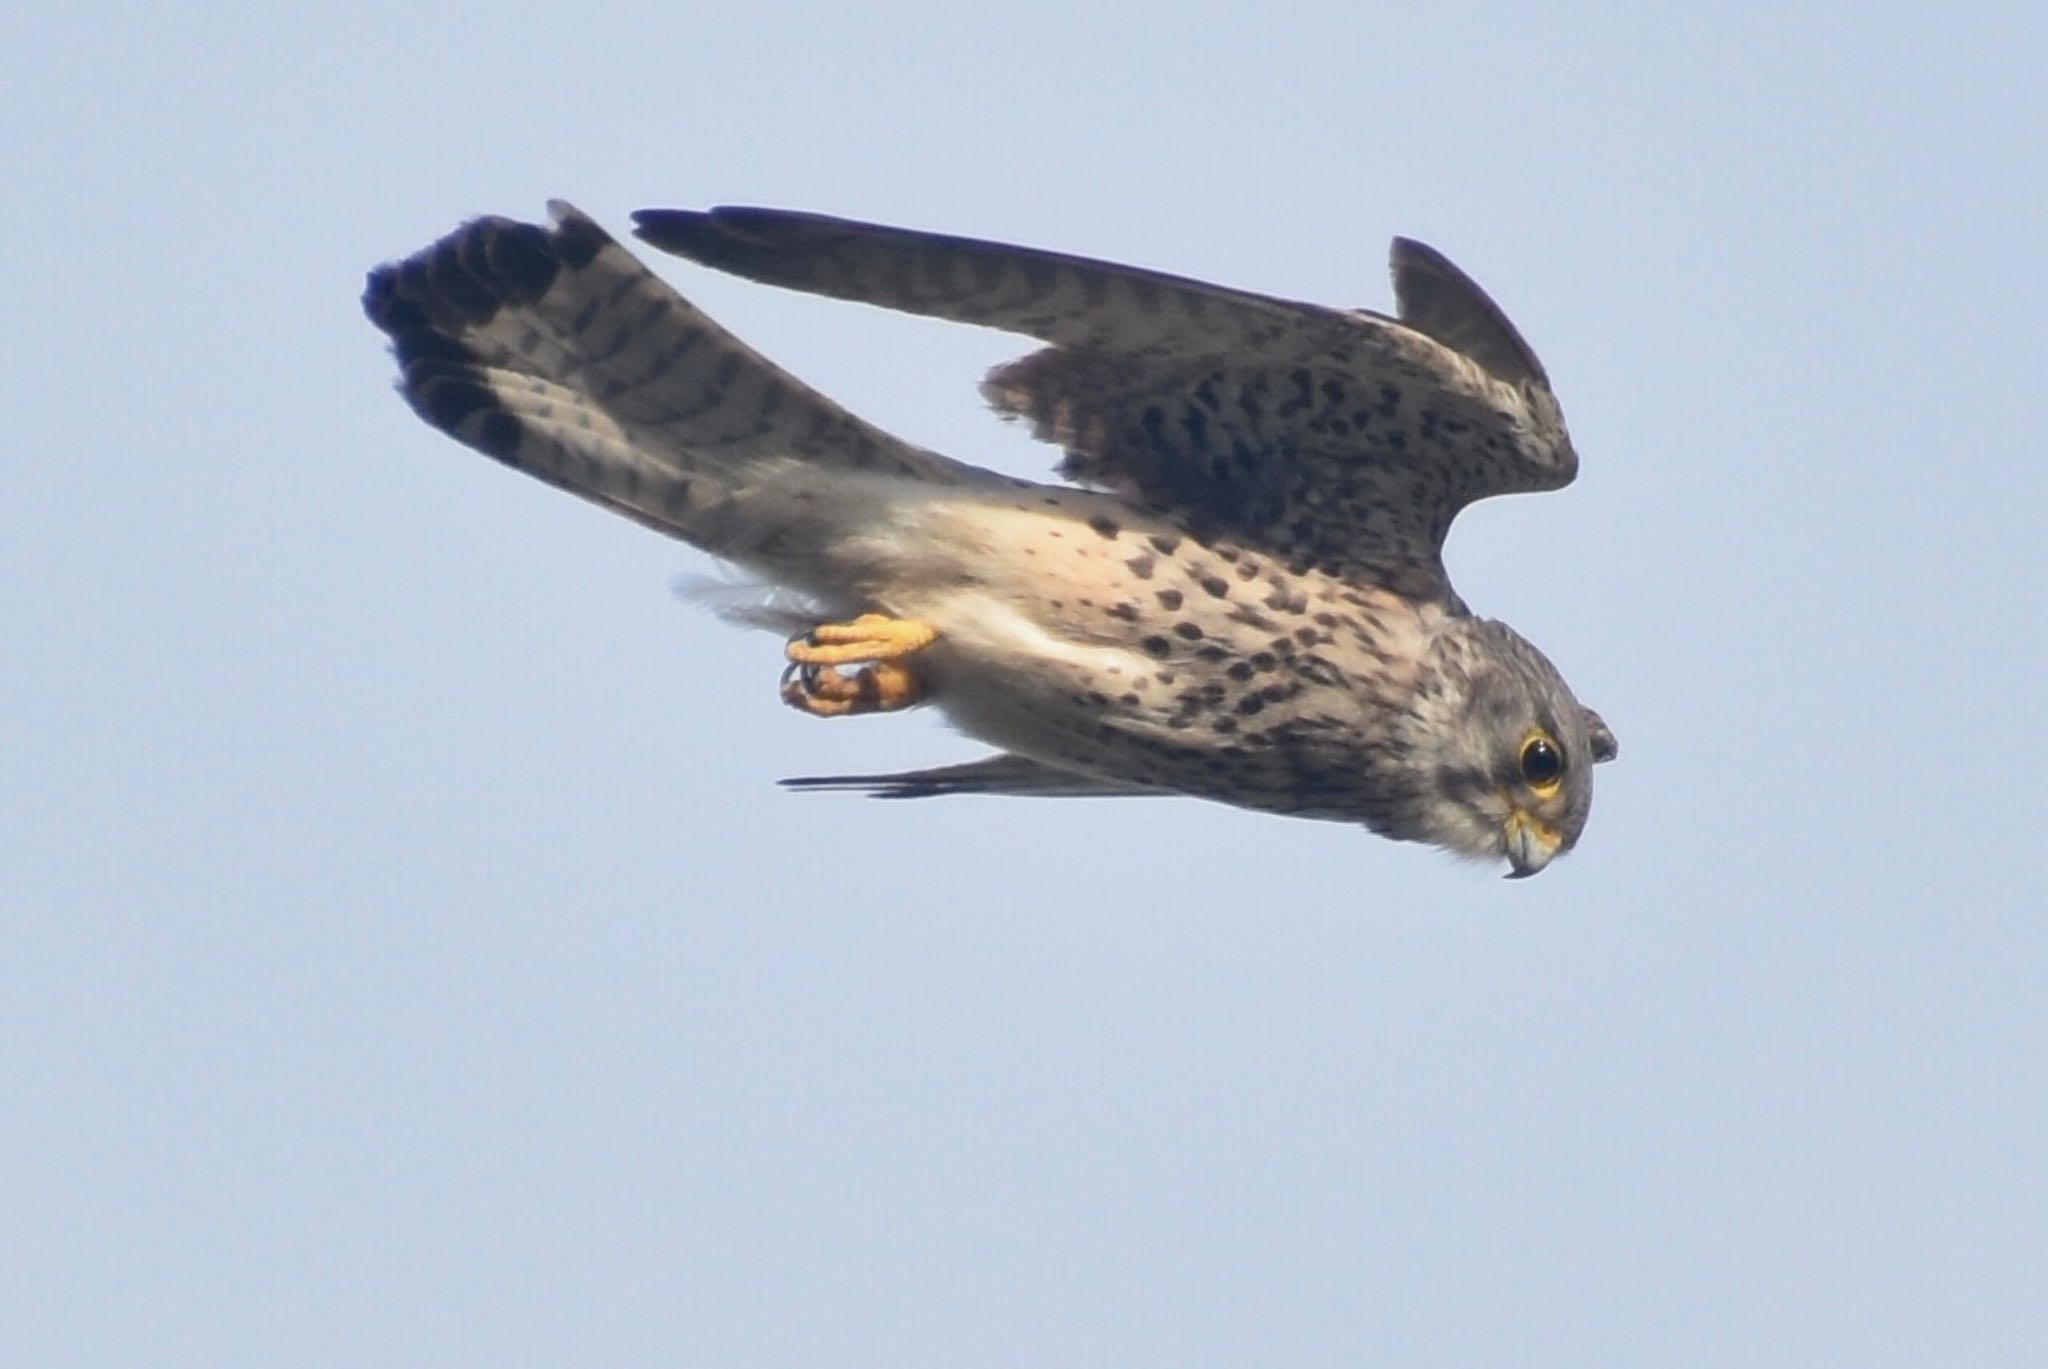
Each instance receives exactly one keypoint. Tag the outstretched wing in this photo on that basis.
(1343, 438)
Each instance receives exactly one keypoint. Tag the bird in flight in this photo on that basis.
(1240, 596)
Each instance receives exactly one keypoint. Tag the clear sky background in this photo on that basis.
(406, 957)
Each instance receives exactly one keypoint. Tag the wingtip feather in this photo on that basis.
(1434, 296)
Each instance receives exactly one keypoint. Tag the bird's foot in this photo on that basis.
(879, 645)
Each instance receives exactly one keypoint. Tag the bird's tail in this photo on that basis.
(553, 350)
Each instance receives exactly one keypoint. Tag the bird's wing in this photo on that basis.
(1001, 773)
(1345, 438)
(554, 350)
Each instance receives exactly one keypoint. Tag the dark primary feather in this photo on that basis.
(1437, 298)
(1348, 439)
(1015, 776)
(1068, 300)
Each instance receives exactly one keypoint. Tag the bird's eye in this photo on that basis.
(1542, 763)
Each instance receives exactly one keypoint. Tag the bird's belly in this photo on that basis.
(1232, 720)
(1098, 641)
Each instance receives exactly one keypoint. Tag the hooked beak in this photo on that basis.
(1531, 844)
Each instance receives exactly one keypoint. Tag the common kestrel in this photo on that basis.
(1244, 600)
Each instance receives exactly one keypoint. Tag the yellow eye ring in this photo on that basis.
(1542, 763)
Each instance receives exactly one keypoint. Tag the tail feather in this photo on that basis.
(553, 350)
(552, 433)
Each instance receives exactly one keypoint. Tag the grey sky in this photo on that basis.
(406, 957)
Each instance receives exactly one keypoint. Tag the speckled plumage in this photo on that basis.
(1249, 603)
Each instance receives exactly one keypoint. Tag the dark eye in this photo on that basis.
(1542, 762)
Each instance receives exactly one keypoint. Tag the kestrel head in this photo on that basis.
(1501, 754)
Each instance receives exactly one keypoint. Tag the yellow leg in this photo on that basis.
(815, 683)
(870, 637)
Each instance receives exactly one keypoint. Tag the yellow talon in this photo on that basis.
(815, 684)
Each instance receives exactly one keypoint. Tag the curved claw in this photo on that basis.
(825, 691)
